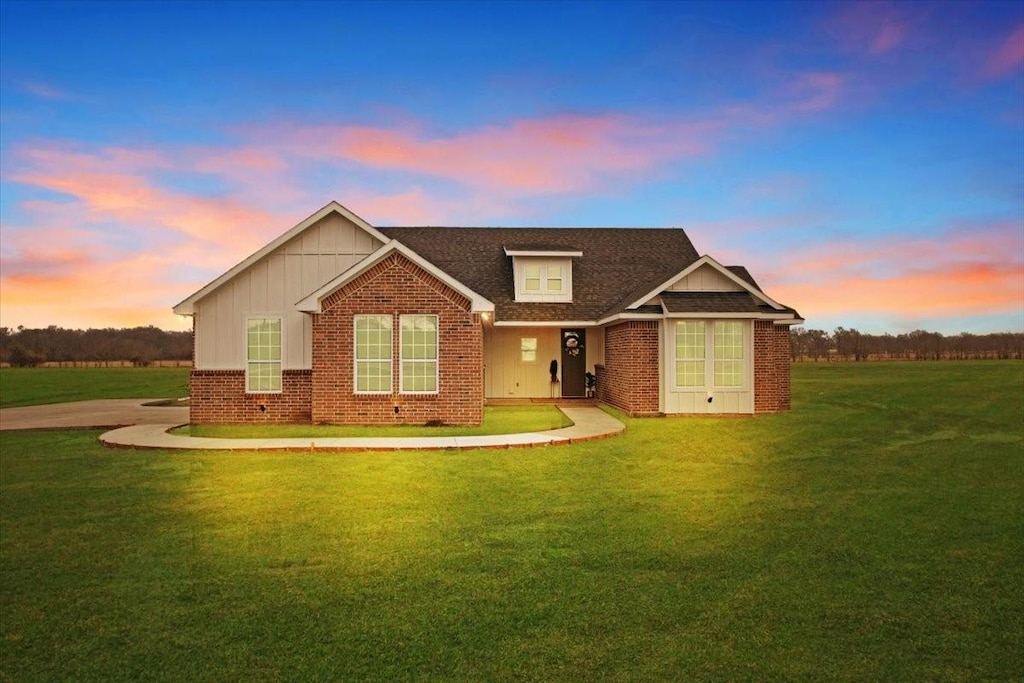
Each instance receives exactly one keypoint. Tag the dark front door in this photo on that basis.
(574, 362)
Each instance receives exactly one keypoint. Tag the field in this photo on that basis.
(34, 386)
(874, 533)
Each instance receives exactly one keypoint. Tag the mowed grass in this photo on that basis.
(874, 533)
(37, 386)
(497, 420)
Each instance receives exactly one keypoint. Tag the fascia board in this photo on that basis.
(545, 323)
(543, 252)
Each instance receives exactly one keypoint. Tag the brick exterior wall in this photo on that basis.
(218, 396)
(394, 287)
(629, 378)
(771, 367)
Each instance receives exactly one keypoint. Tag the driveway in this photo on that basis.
(99, 413)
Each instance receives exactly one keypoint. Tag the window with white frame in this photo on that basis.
(528, 349)
(263, 355)
(710, 354)
(728, 350)
(690, 353)
(373, 354)
(419, 354)
(543, 279)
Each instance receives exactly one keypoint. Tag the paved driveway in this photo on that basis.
(100, 413)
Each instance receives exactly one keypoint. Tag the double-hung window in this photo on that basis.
(373, 354)
(263, 355)
(419, 354)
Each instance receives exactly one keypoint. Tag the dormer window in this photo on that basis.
(543, 275)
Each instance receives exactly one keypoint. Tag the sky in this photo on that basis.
(864, 160)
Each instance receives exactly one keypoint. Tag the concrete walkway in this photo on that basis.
(150, 424)
(589, 423)
(92, 414)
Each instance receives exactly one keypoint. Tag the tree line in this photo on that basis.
(145, 345)
(141, 346)
(850, 344)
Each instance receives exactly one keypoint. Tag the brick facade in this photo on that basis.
(771, 367)
(629, 378)
(394, 287)
(218, 396)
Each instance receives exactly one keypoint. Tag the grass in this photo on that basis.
(35, 386)
(497, 420)
(874, 533)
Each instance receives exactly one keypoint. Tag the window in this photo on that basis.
(373, 354)
(690, 353)
(554, 281)
(710, 354)
(419, 354)
(263, 355)
(528, 349)
(728, 353)
(543, 279)
(531, 280)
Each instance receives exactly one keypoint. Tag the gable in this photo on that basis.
(705, 279)
(317, 248)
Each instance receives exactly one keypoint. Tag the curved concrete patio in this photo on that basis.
(146, 426)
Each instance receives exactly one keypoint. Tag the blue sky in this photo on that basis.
(864, 160)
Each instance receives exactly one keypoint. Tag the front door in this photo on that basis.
(574, 362)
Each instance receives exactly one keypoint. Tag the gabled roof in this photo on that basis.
(312, 302)
(746, 284)
(616, 262)
(186, 307)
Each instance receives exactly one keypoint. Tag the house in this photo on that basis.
(337, 321)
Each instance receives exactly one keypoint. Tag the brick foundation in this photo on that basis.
(771, 367)
(394, 287)
(629, 378)
(218, 396)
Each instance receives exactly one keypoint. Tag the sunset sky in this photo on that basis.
(864, 160)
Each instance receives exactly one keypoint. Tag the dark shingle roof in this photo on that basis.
(712, 302)
(618, 267)
(617, 263)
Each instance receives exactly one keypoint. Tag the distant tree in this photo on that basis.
(20, 357)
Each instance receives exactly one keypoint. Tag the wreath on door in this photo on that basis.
(573, 346)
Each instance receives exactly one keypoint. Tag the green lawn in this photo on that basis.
(35, 386)
(874, 533)
(498, 420)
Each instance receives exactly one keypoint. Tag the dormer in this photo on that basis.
(542, 274)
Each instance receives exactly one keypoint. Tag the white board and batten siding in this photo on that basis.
(727, 400)
(507, 375)
(704, 279)
(270, 287)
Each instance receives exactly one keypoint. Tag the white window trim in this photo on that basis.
(710, 358)
(436, 361)
(536, 351)
(676, 359)
(248, 361)
(542, 295)
(356, 360)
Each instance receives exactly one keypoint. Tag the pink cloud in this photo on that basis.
(815, 91)
(121, 215)
(873, 28)
(970, 271)
(44, 90)
(548, 155)
(1008, 57)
